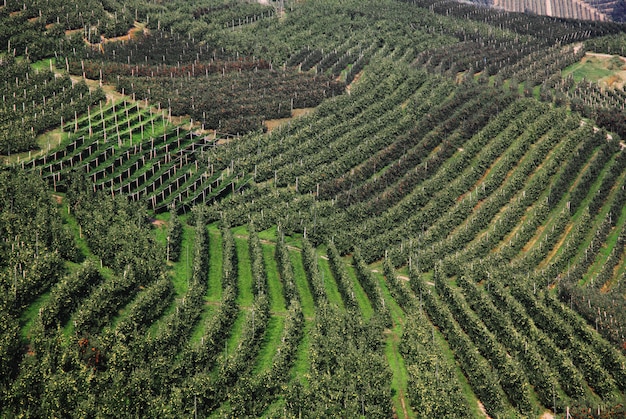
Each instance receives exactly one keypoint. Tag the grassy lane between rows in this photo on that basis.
(274, 283)
(399, 378)
(330, 285)
(365, 305)
(269, 346)
(244, 273)
(215, 265)
(306, 298)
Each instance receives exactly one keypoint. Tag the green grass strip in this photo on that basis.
(361, 297)
(302, 364)
(330, 285)
(392, 353)
(271, 340)
(73, 225)
(160, 231)
(183, 268)
(28, 316)
(274, 284)
(199, 329)
(397, 315)
(244, 271)
(215, 265)
(235, 333)
(306, 298)
(400, 378)
(466, 389)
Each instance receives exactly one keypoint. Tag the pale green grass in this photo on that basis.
(399, 381)
(396, 363)
(182, 269)
(199, 329)
(215, 265)
(611, 240)
(269, 346)
(160, 231)
(397, 315)
(306, 298)
(28, 316)
(302, 364)
(590, 70)
(274, 284)
(235, 332)
(244, 273)
(270, 234)
(361, 297)
(466, 389)
(330, 285)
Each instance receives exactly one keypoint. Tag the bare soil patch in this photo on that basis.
(158, 223)
(272, 124)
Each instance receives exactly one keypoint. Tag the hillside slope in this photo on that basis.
(440, 234)
(571, 9)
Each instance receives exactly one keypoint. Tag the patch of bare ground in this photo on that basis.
(480, 181)
(109, 91)
(272, 124)
(355, 80)
(130, 35)
(70, 32)
(482, 409)
(158, 223)
(547, 415)
(531, 243)
(556, 248)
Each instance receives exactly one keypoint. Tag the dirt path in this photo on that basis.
(556, 248)
(549, 7)
(272, 124)
(131, 34)
(481, 407)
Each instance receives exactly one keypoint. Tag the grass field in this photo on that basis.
(606, 69)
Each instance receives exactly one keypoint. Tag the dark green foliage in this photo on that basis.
(174, 237)
(349, 376)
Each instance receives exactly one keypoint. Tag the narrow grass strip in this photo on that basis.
(274, 284)
(214, 293)
(361, 297)
(182, 268)
(302, 365)
(330, 285)
(269, 346)
(306, 298)
(244, 270)
(399, 380)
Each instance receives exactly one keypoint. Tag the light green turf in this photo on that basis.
(270, 234)
(269, 346)
(302, 364)
(611, 240)
(592, 69)
(183, 268)
(199, 329)
(361, 297)
(274, 284)
(396, 363)
(215, 265)
(244, 273)
(306, 298)
(400, 377)
(330, 285)
(27, 318)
